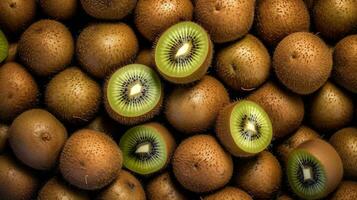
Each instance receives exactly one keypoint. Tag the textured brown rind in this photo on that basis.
(229, 193)
(146, 57)
(61, 10)
(162, 187)
(108, 9)
(4, 135)
(346, 191)
(57, 189)
(12, 54)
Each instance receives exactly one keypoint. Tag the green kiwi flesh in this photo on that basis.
(164, 187)
(4, 134)
(61, 10)
(346, 191)
(108, 9)
(4, 47)
(183, 53)
(56, 188)
(231, 193)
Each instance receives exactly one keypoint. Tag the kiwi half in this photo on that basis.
(244, 128)
(183, 53)
(56, 188)
(108, 9)
(231, 193)
(347, 190)
(147, 148)
(314, 169)
(4, 47)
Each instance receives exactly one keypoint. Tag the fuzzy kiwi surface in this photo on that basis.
(103, 123)
(347, 190)
(108, 9)
(302, 62)
(4, 135)
(145, 57)
(90, 160)
(61, 10)
(216, 16)
(201, 102)
(18, 90)
(244, 65)
(231, 193)
(12, 53)
(285, 109)
(56, 188)
(200, 164)
(100, 57)
(164, 187)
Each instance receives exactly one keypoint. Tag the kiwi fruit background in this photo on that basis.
(63, 10)
(108, 9)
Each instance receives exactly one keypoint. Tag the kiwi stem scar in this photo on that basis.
(184, 50)
(144, 148)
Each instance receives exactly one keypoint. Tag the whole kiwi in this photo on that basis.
(231, 193)
(16, 15)
(216, 16)
(18, 90)
(108, 9)
(163, 187)
(145, 57)
(103, 48)
(46, 47)
(12, 54)
(201, 102)
(37, 137)
(152, 17)
(302, 62)
(61, 10)
(200, 164)
(56, 188)
(347, 190)
(73, 96)
(4, 134)
(103, 123)
(90, 160)
(285, 109)
(289, 16)
(17, 181)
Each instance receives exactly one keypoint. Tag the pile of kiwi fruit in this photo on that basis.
(178, 99)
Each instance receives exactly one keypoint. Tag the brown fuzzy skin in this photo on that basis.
(100, 57)
(335, 18)
(331, 108)
(153, 17)
(18, 90)
(18, 182)
(285, 109)
(56, 188)
(345, 63)
(345, 143)
(16, 15)
(201, 102)
(346, 191)
(12, 53)
(200, 164)
(108, 9)
(289, 16)
(61, 10)
(105, 124)
(284, 197)
(244, 65)
(146, 57)
(229, 193)
(216, 16)
(302, 135)
(302, 62)
(260, 176)
(37, 137)
(162, 187)
(126, 186)
(4, 135)
(90, 160)
(46, 47)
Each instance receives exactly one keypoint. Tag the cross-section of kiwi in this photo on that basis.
(4, 46)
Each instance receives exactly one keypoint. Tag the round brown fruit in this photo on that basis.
(108, 9)
(163, 187)
(231, 193)
(61, 10)
(346, 191)
(57, 189)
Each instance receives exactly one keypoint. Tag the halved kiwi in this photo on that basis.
(133, 94)
(56, 188)
(244, 128)
(183, 53)
(4, 47)
(314, 169)
(147, 148)
(231, 193)
(347, 190)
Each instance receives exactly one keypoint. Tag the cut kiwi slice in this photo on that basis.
(183, 53)
(133, 94)
(147, 148)
(4, 46)
(244, 128)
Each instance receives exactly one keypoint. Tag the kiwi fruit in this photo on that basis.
(285, 109)
(4, 135)
(314, 169)
(145, 57)
(56, 188)
(105, 124)
(331, 109)
(17, 181)
(183, 53)
(103, 48)
(4, 47)
(125, 186)
(18, 91)
(200, 164)
(133, 94)
(302, 62)
(260, 176)
(284, 197)
(16, 15)
(90, 160)
(244, 128)
(73, 96)
(12, 53)
(229, 193)
(217, 17)
(244, 65)
(345, 63)
(346, 191)
(108, 9)
(147, 148)
(201, 102)
(302, 135)
(335, 18)
(153, 17)
(163, 187)
(345, 143)
(289, 16)
(61, 10)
